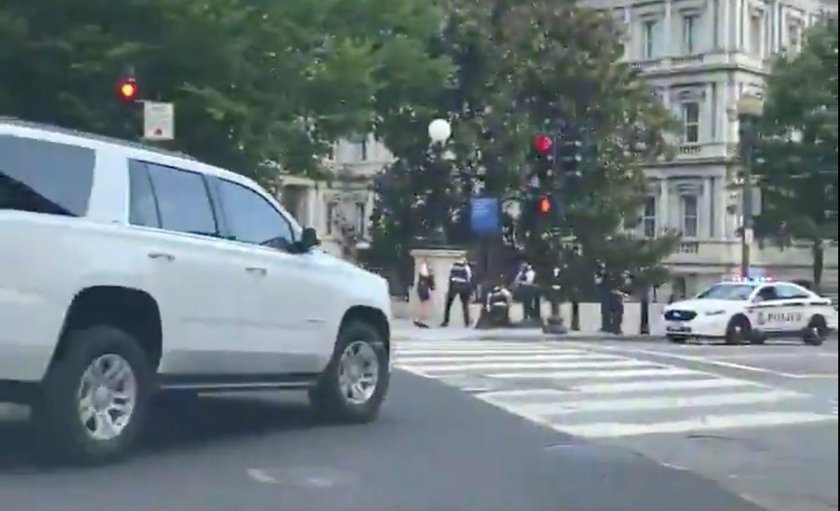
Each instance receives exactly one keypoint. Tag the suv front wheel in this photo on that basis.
(355, 382)
(95, 397)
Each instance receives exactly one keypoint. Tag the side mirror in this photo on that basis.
(309, 239)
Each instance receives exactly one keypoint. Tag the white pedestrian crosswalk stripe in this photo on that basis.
(596, 394)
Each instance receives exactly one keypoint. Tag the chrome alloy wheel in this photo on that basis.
(106, 397)
(358, 373)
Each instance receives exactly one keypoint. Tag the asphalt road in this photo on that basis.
(435, 448)
(760, 420)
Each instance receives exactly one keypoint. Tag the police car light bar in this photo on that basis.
(738, 278)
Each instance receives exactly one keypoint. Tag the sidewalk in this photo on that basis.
(404, 330)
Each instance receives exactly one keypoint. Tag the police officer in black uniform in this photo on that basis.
(460, 285)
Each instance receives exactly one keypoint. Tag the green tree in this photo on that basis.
(519, 68)
(254, 83)
(797, 154)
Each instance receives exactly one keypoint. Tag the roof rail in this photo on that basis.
(14, 121)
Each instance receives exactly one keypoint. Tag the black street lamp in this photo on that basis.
(439, 132)
(749, 109)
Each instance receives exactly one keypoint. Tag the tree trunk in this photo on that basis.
(818, 255)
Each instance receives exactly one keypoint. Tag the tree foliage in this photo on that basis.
(519, 68)
(253, 82)
(797, 154)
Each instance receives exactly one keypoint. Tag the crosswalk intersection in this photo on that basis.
(597, 394)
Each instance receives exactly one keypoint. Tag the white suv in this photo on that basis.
(125, 270)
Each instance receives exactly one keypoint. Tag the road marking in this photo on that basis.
(701, 423)
(608, 392)
(663, 402)
(632, 373)
(488, 351)
(503, 358)
(261, 476)
(623, 388)
(702, 360)
(773, 355)
(587, 363)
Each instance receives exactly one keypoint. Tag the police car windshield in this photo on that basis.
(728, 292)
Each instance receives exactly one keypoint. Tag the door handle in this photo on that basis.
(256, 271)
(161, 255)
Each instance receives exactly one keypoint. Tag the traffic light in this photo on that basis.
(543, 144)
(570, 154)
(545, 148)
(544, 205)
(127, 90)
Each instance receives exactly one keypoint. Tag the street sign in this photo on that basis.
(485, 215)
(749, 236)
(158, 121)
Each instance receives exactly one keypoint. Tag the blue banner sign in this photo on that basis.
(485, 217)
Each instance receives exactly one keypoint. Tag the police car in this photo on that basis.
(752, 310)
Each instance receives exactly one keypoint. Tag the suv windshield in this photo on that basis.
(727, 292)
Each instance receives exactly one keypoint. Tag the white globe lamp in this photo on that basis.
(439, 131)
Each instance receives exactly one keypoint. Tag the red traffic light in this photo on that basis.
(127, 89)
(542, 143)
(544, 205)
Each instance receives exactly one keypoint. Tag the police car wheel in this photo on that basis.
(354, 384)
(738, 331)
(816, 332)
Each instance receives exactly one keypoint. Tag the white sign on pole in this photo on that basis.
(158, 121)
(749, 236)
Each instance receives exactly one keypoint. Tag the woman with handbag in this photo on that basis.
(425, 286)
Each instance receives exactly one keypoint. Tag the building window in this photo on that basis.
(794, 37)
(691, 122)
(649, 217)
(756, 28)
(361, 219)
(330, 217)
(649, 39)
(690, 23)
(690, 217)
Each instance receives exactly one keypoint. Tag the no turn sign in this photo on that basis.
(158, 121)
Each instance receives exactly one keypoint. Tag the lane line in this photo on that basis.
(596, 389)
(559, 365)
(702, 360)
(499, 358)
(632, 373)
(651, 403)
(702, 423)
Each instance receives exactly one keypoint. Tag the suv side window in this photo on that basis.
(143, 209)
(252, 219)
(45, 177)
(789, 292)
(182, 201)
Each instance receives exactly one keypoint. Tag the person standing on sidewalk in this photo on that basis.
(528, 292)
(460, 285)
(425, 286)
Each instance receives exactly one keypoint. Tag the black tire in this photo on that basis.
(56, 413)
(327, 398)
(816, 332)
(738, 331)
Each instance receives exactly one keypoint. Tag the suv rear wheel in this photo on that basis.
(95, 397)
(355, 382)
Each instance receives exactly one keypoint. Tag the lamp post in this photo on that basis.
(439, 132)
(749, 109)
